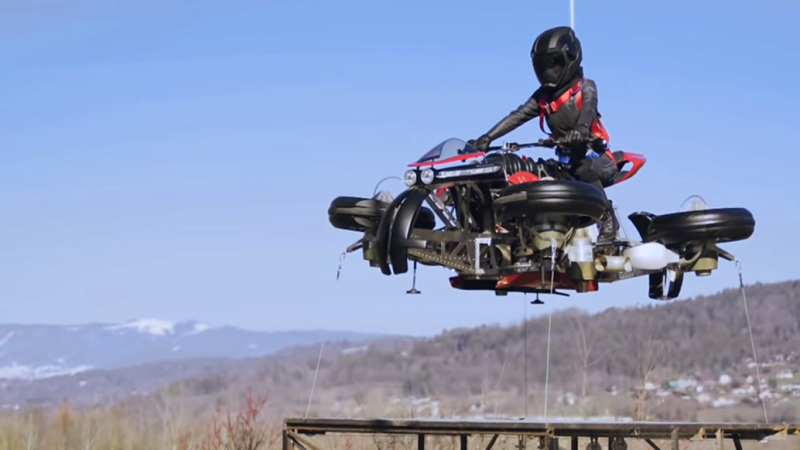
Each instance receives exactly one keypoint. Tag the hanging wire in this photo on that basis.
(384, 179)
(525, 332)
(341, 263)
(553, 248)
(572, 14)
(314, 383)
(752, 341)
(547, 365)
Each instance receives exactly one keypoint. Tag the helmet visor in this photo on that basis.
(548, 67)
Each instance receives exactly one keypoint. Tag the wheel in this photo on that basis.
(363, 214)
(577, 202)
(719, 225)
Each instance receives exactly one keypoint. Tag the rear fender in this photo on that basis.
(401, 228)
(656, 286)
(641, 221)
(622, 159)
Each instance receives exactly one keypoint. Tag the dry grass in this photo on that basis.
(244, 425)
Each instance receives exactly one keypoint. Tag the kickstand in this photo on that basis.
(537, 301)
(413, 289)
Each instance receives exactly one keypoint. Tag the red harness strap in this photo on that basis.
(546, 108)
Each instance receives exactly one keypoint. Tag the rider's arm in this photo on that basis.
(515, 118)
(588, 111)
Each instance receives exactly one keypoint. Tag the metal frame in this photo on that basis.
(296, 431)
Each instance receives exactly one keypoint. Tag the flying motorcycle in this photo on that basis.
(511, 223)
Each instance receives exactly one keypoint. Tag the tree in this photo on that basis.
(584, 349)
(649, 356)
(170, 413)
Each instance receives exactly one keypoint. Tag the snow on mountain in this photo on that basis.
(155, 327)
(41, 351)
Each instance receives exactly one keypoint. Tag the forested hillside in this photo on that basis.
(617, 353)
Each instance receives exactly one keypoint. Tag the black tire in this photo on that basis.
(719, 225)
(426, 219)
(579, 203)
(363, 214)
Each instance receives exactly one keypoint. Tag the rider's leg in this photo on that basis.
(594, 171)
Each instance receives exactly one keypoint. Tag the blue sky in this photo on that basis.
(177, 160)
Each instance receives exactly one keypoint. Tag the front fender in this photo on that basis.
(401, 228)
(382, 238)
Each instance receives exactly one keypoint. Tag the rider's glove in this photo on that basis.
(575, 136)
(481, 144)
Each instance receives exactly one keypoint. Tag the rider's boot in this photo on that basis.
(609, 225)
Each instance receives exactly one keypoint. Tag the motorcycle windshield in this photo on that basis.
(451, 150)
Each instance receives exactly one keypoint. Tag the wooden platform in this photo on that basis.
(547, 432)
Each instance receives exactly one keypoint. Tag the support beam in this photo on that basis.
(302, 441)
(492, 441)
(652, 444)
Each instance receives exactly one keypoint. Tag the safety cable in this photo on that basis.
(572, 14)
(375, 191)
(752, 341)
(553, 248)
(314, 383)
(525, 328)
(547, 365)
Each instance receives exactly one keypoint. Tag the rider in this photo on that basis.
(568, 102)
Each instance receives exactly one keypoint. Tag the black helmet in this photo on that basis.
(556, 56)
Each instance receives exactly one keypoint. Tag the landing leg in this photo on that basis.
(413, 289)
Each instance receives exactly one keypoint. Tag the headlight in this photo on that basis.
(410, 177)
(427, 176)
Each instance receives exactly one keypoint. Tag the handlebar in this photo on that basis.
(513, 146)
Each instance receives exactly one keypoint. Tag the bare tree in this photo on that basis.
(242, 431)
(585, 346)
(90, 430)
(649, 356)
(497, 385)
(34, 421)
(171, 414)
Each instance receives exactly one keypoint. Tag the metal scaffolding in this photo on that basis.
(297, 431)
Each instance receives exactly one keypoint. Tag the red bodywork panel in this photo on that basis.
(522, 177)
(622, 158)
(534, 281)
(452, 159)
(522, 282)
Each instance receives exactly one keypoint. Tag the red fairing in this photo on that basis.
(636, 160)
(522, 177)
(452, 159)
(529, 280)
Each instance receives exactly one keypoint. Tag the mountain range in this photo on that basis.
(43, 351)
